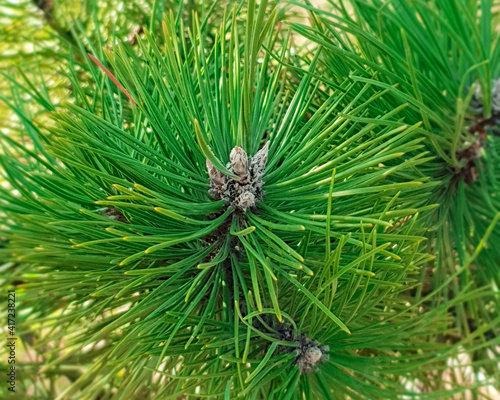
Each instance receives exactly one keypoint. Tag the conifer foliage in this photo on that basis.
(207, 209)
(443, 59)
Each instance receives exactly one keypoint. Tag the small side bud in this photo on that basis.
(258, 162)
(310, 354)
(217, 181)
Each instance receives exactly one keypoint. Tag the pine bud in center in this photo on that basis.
(244, 193)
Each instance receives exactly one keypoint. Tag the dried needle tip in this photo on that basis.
(310, 354)
(246, 192)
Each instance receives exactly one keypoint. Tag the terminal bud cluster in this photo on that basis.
(242, 193)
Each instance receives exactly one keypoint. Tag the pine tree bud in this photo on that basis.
(246, 192)
(239, 162)
(258, 162)
(217, 181)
